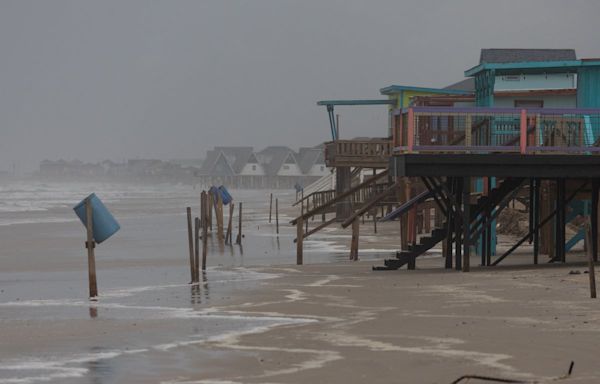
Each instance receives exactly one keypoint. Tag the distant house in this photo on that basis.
(272, 167)
(312, 162)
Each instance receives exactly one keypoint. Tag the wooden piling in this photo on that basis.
(196, 249)
(229, 229)
(299, 240)
(590, 254)
(277, 216)
(270, 207)
(210, 209)
(354, 242)
(374, 221)
(239, 236)
(90, 244)
(219, 213)
(204, 233)
(191, 241)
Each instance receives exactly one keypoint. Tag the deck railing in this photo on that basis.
(481, 130)
(377, 150)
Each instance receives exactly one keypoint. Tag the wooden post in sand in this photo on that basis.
(270, 207)
(228, 233)
(299, 240)
(238, 240)
(219, 213)
(277, 216)
(590, 254)
(196, 250)
(90, 244)
(190, 241)
(210, 208)
(204, 231)
(354, 242)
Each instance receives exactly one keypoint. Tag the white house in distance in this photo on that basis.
(272, 167)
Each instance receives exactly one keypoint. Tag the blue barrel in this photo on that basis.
(103, 221)
(225, 196)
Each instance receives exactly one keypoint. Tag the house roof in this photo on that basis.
(307, 157)
(273, 158)
(237, 157)
(517, 55)
(467, 85)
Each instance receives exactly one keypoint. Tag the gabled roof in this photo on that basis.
(215, 158)
(273, 158)
(517, 55)
(236, 156)
(467, 85)
(307, 157)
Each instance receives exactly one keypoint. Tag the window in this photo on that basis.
(511, 78)
(254, 167)
(322, 168)
(286, 167)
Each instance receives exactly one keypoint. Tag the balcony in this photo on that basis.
(366, 153)
(497, 130)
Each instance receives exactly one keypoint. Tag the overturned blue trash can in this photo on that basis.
(225, 196)
(105, 225)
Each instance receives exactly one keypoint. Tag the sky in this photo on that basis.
(124, 79)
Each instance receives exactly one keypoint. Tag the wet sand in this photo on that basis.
(256, 318)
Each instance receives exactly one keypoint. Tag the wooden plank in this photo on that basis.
(190, 241)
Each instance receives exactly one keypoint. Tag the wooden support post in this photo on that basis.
(560, 220)
(196, 249)
(591, 237)
(191, 241)
(206, 209)
(536, 220)
(466, 189)
(219, 212)
(374, 221)
(270, 207)
(228, 234)
(210, 210)
(238, 240)
(299, 240)
(354, 242)
(90, 244)
(594, 219)
(277, 216)
(458, 225)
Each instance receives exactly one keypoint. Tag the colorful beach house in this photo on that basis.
(529, 128)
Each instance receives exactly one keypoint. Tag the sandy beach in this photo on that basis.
(257, 318)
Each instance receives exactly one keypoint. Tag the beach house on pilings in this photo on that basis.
(529, 127)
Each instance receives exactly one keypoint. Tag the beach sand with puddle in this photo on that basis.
(257, 318)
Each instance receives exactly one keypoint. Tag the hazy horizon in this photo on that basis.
(140, 79)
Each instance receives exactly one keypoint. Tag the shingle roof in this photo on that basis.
(237, 157)
(511, 55)
(307, 157)
(273, 158)
(467, 84)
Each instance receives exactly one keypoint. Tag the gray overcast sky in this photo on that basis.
(166, 79)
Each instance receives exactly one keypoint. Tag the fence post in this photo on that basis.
(411, 130)
(523, 137)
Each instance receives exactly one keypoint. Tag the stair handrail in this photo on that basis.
(340, 197)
